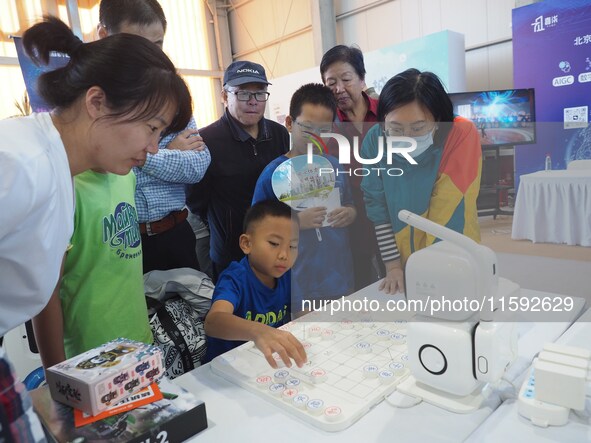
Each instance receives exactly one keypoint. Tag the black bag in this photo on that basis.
(178, 331)
(178, 301)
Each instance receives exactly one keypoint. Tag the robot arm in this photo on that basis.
(484, 258)
(494, 343)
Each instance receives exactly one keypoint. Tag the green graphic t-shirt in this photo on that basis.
(102, 290)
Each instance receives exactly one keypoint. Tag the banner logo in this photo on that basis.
(541, 23)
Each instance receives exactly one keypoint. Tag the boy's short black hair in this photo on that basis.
(113, 13)
(315, 94)
(266, 208)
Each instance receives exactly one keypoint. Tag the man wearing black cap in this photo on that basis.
(242, 142)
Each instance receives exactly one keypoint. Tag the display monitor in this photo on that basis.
(503, 117)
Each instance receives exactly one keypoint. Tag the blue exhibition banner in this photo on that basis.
(552, 54)
(31, 73)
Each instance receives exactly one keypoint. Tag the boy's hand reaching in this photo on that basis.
(220, 322)
(270, 340)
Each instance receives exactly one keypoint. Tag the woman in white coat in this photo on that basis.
(111, 104)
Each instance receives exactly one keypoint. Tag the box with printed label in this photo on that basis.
(103, 376)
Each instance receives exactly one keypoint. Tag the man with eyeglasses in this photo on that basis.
(242, 142)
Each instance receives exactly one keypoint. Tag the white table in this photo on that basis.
(235, 414)
(554, 207)
(505, 424)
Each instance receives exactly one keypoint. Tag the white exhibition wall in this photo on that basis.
(278, 33)
(441, 53)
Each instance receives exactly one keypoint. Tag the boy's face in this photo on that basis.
(272, 247)
(316, 119)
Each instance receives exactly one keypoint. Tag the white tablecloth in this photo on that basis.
(506, 425)
(554, 207)
(237, 415)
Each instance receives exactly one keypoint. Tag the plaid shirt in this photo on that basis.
(161, 181)
(18, 421)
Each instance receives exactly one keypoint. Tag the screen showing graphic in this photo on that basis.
(504, 117)
(552, 54)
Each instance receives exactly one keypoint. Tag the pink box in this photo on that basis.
(104, 376)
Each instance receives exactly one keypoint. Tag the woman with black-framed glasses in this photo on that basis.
(442, 184)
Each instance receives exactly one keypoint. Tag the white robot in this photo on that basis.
(453, 353)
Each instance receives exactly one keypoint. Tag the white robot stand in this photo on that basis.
(455, 349)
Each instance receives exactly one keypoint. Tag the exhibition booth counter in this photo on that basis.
(554, 207)
(235, 413)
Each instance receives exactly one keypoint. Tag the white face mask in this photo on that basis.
(423, 143)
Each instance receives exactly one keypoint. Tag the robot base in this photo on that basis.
(449, 402)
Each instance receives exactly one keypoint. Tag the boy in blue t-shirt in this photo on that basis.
(253, 297)
(324, 270)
